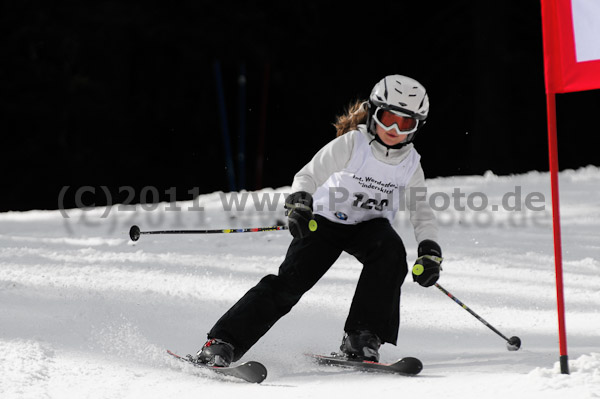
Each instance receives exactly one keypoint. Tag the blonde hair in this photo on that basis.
(356, 114)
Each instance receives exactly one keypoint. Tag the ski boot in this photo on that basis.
(215, 352)
(361, 345)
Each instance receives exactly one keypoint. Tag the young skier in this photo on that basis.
(350, 191)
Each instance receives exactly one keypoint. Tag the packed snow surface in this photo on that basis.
(87, 313)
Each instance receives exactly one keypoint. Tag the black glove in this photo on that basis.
(426, 270)
(299, 212)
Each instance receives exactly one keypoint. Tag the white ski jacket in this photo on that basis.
(336, 157)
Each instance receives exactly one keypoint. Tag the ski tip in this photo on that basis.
(414, 364)
(259, 370)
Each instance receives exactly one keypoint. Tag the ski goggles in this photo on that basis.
(400, 122)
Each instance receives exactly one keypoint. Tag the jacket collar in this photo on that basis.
(383, 152)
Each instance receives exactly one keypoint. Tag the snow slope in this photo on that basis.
(86, 313)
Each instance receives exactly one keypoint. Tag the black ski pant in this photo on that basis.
(376, 302)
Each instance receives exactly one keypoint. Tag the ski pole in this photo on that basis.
(135, 232)
(512, 343)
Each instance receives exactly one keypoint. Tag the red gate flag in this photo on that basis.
(571, 32)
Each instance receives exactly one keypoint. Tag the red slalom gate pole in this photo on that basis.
(560, 297)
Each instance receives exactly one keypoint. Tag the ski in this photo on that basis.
(407, 366)
(252, 371)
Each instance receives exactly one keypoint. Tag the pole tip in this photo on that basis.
(564, 364)
(134, 233)
(513, 344)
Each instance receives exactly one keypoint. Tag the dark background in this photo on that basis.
(124, 93)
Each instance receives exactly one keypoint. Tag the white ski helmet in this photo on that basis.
(406, 103)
